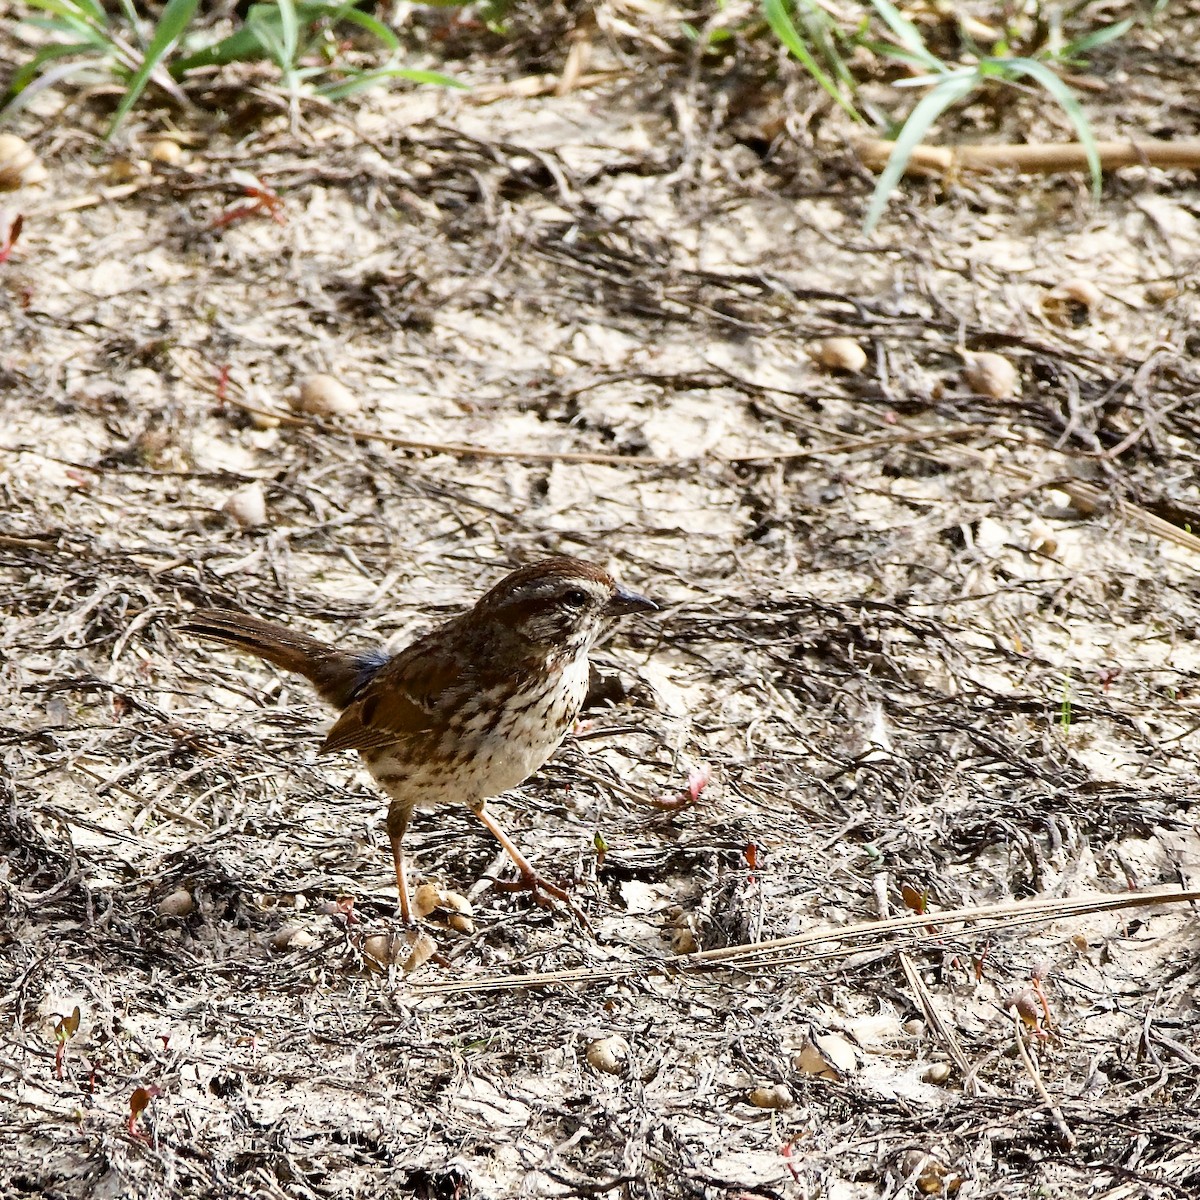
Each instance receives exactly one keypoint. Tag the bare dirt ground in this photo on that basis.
(916, 658)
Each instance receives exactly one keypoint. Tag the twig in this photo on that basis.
(1088, 499)
(1064, 1132)
(467, 450)
(1065, 156)
(790, 951)
(161, 810)
(529, 86)
(934, 1019)
(118, 191)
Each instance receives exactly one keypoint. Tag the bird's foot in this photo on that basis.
(541, 890)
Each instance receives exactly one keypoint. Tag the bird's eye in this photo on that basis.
(575, 598)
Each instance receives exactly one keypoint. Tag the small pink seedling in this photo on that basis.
(137, 1105)
(10, 237)
(65, 1028)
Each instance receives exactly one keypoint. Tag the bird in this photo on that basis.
(468, 710)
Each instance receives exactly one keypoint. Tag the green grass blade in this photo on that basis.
(780, 20)
(909, 35)
(66, 28)
(71, 21)
(46, 54)
(131, 18)
(69, 12)
(900, 54)
(289, 28)
(84, 10)
(46, 80)
(174, 20)
(261, 36)
(952, 89)
(1066, 99)
(1099, 37)
(371, 25)
(821, 29)
(242, 46)
(269, 39)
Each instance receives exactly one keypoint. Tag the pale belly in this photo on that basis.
(486, 756)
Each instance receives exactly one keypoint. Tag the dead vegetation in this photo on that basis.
(937, 649)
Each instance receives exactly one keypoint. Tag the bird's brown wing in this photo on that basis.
(402, 700)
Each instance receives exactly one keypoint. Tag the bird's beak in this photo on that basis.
(625, 601)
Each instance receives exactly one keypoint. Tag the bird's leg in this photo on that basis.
(397, 823)
(530, 880)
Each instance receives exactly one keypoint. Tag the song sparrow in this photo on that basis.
(467, 711)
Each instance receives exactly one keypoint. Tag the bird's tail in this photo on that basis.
(336, 674)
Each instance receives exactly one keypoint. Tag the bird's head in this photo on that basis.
(559, 604)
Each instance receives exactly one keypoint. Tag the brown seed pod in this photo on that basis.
(683, 940)
(125, 170)
(810, 1061)
(247, 507)
(770, 1095)
(325, 396)
(1027, 1005)
(1072, 303)
(459, 912)
(426, 899)
(991, 375)
(178, 903)
(937, 1072)
(409, 948)
(1161, 291)
(167, 153)
(839, 354)
(452, 908)
(19, 166)
(608, 1054)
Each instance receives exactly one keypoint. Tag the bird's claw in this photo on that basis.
(541, 890)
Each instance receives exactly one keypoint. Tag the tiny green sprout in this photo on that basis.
(1064, 711)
